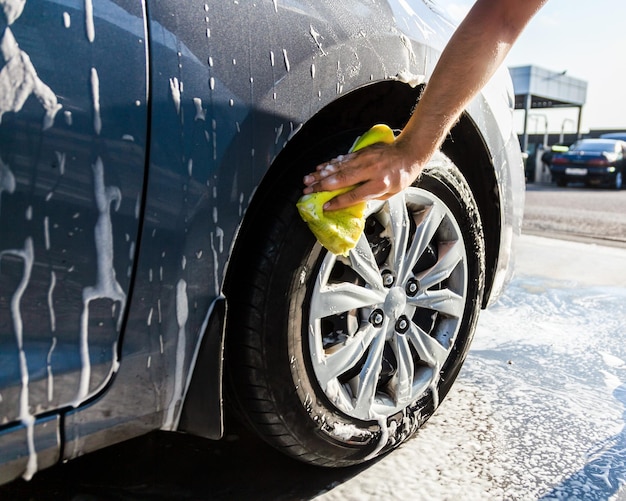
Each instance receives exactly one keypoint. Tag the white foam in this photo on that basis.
(49, 370)
(106, 286)
(175, 91)
(46, 232)
(95, 94)
(200, 111)
(27, 255)
(18, 80)
(216, 283)
(317, 38)
(182, 313)
(89, 25)
(53, 281)
(61, 161)
(7, 179)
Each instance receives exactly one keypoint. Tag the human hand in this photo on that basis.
(376, 172)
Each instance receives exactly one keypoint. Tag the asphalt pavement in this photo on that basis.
(596, 215)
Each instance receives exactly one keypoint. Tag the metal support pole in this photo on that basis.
(580, 117)
(527, 103)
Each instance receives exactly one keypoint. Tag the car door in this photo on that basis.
(73, 134)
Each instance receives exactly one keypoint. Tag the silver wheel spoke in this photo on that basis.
(424, 233)
(449, 256)
(345, 356)
(405, 371)
(444, 301)
(339, 298)
(400, 227)
(428, 349)
(362, 261)
(338, 395)
(368, 378)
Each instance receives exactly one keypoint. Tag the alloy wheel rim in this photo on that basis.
(383, 321)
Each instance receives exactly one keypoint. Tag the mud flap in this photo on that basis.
(202, 412)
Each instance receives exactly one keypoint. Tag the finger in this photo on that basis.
(326, 184)
(334, 178)
(336, 162)
(341, 179)
(345, 171)
(321, 172)
(326, 169)
(361, 193)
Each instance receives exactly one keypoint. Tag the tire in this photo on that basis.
(304, 328)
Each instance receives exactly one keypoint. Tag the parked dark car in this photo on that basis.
(591, 161)
(152, 260)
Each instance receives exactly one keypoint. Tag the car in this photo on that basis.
(614, 135)
(591, 161)
(546, 157)
(154, 269)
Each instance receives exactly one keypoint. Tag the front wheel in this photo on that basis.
(335, 360)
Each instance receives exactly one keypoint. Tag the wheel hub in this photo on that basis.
(395, 303)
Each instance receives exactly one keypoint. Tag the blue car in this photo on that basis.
(592, 162)
(153, 266)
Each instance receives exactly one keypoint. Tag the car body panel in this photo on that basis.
(15, 448)
(72, 149)
(231, 85)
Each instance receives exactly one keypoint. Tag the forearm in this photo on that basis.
(474, 53)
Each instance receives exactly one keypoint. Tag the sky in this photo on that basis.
(587, 39)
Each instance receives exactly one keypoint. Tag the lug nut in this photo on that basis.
(377, 317)
(402, 324)
(388, 278)
(412, 287)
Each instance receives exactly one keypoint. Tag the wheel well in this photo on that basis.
(466, 148)
(391, 102)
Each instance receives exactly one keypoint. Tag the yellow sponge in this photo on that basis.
(339, 231)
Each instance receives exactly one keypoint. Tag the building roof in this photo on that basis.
(547, 88)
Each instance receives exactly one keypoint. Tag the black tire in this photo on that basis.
(272, 346)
